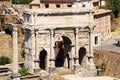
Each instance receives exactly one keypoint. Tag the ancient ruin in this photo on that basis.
(60, 37)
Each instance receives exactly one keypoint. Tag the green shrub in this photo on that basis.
(4, 60)
(24, 72)
(23, 53)
(21, 1)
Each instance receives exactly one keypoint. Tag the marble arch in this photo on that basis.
(50, 25)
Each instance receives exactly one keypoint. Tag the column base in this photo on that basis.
(92, 69)
(76, 68)
(15, 76)
(52, 71)
(37, 70)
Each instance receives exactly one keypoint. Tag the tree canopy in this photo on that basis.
(21, 1)
(113, 5)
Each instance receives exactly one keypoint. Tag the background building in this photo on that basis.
(102, 21)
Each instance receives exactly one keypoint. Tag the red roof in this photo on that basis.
(57, 1)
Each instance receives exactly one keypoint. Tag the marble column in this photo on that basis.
(91, 64)
(91, 35)
(15, 75)
(35, 55)
(52, 55)
(32, 18)
(33, 51)
(77, 66)
(76, 47)
(91, 47)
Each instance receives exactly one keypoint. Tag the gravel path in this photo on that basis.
(75, 77)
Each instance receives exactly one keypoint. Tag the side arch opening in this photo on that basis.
(42, 58)
(82, 53)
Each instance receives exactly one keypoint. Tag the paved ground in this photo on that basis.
(74, 77)
(110, 45)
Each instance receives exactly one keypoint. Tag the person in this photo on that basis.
(118, 44)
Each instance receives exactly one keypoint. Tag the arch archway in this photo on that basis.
(82, 53)
(42, 58)
(62, 49)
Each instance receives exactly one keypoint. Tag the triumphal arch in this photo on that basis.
(59, 37)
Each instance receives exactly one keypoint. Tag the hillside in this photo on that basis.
(109, 61)
(5, 45)
(116, 26)
(6, 48)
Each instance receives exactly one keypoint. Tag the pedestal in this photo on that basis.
(15, 76)
(76, 68)
(52, 71)
(37, 70)
(92, 70)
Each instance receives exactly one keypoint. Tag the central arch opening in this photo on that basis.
(62, 52)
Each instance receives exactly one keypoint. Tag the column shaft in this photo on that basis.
(91, 46)
(52, 55)
(76, 47)
(32, 18)
(33, 51)
(15, 50)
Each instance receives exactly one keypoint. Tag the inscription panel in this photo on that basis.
(60, 20)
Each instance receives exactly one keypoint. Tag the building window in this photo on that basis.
(69, 5)
(58, 5)
(83, 5)
(27, 18)
(96, 40)
(46, 5)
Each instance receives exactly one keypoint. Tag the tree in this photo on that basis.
(21, 1)
(113, 5)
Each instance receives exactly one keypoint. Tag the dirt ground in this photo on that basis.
(109, 62)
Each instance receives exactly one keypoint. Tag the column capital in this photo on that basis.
(92, 30)
(51, 31)
(15, 28)
(76, 30)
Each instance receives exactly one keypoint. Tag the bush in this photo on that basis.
(24, 72)
(21, 1)
(4, 60)
(23, 53)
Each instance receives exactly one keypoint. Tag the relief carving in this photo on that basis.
(83, 38)
(43, 41)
